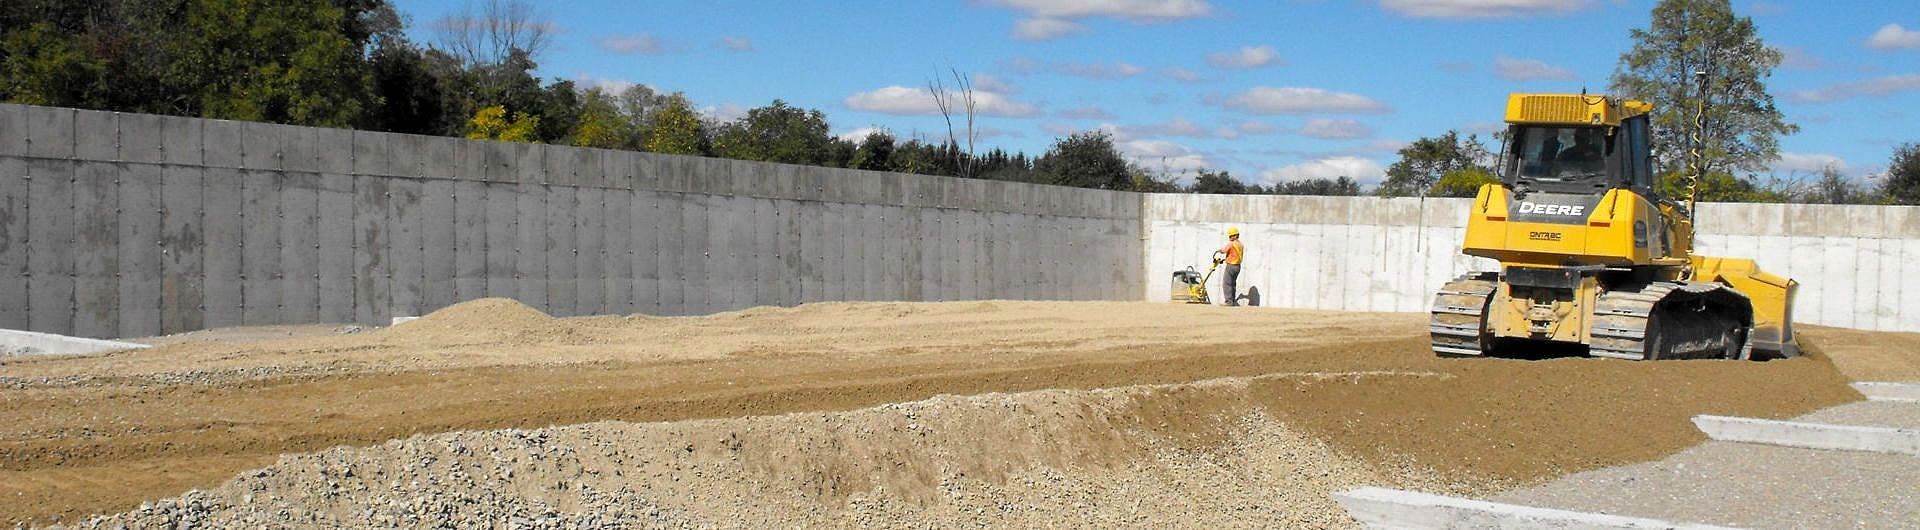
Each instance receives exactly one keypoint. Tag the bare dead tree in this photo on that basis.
(944, 100)
(491, 35)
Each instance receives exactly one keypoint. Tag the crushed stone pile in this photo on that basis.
(1044, 458)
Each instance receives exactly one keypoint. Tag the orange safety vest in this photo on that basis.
(1234, 252)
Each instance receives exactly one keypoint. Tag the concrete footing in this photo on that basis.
(14, 342)
(1810, 435)
(1387, 508)
(1902, 392)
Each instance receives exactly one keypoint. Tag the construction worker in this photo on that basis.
(1233, 253)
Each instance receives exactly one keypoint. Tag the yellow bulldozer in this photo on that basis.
(1591, 254)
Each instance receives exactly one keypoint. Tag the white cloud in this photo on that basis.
(1807, 163)
(1247, 57)
(1099, 71)
(1037, 29)
(1335, 129)
(1894, 37)
(1512, 69)
(1183, 75)
(724, 112)
(1871, 87)
(861, 134)
(1175, 127)
(1089, 112)
(1300, 100)
(1376, 147)
(1137, 10)
(609, 86)
(899, 100)
(738, 44)
(993, 83)
(1164, 155)
(641, 43)
(1457, 9)
(1020, 65)
(984, 132)
(1360, 169)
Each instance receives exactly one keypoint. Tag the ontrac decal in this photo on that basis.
(1543, 236)
(1552, 209)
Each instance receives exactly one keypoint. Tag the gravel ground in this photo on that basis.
(1757, 486)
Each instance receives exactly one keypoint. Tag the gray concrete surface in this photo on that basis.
(1381, 508)
(1889, 391)
(31, 343)
(1811, 435)
(1757, 486)
(116, 225)
(1858, 266)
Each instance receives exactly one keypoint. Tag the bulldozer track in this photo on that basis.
(1459, 315)
(1654, 321)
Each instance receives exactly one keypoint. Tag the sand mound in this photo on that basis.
(483, 319)
(1069, 458)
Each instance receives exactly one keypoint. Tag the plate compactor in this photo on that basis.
(1190, 286)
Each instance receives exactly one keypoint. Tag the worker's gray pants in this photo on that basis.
(1230, 284)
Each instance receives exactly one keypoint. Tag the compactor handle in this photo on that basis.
(1219, 256)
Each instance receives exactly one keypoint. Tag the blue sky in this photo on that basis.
(1270, 90)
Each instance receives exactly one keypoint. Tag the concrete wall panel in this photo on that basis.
(15, 201)
(259, 146)
(813, 238)
(261, 238)
(180, 139)
(560, 245)
(644, 231)
(618, 255)
(590, 242)
(766, 278)
(530, 238)
(181, 240)
(101, 142)
(406, 253)
(336, 253)
(96, 250)
(372, 271)
(672, 256)
(15, 139)
(439, 224)
(480, 217)
(299, 223)
(696, 264)
(224, 200)
(490, 245)
(144, 247)
(51, 132)
(50, 240)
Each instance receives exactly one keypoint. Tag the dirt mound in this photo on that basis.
(1866, 355)
(1068, 458)
(486, 316)
(85, 435)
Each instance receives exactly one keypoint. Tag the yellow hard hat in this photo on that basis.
(1233, 231)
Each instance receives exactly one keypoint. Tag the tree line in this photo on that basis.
(350, 64)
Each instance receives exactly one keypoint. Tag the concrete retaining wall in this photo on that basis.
(1858, 266)
(126, 225)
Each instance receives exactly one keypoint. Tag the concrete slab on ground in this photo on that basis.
(1884, 391)
(14, 342)
(1389, 509)
(1811, 435)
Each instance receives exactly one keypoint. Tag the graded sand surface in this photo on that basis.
(934, 414)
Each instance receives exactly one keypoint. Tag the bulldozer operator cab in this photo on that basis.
(1578, 159)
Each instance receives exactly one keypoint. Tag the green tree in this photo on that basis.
(1425, 161)
(1342, 186)
(1085, 160)
(1741, 124)
(1145, 182)
(775, 133)
(601, 123)
(285, 62)
(1721, 186)
(875, 152)
(674, 128)
(491, 124)
(1462, 183)
(41, 65)
(1220, 182)
(1902, 184)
